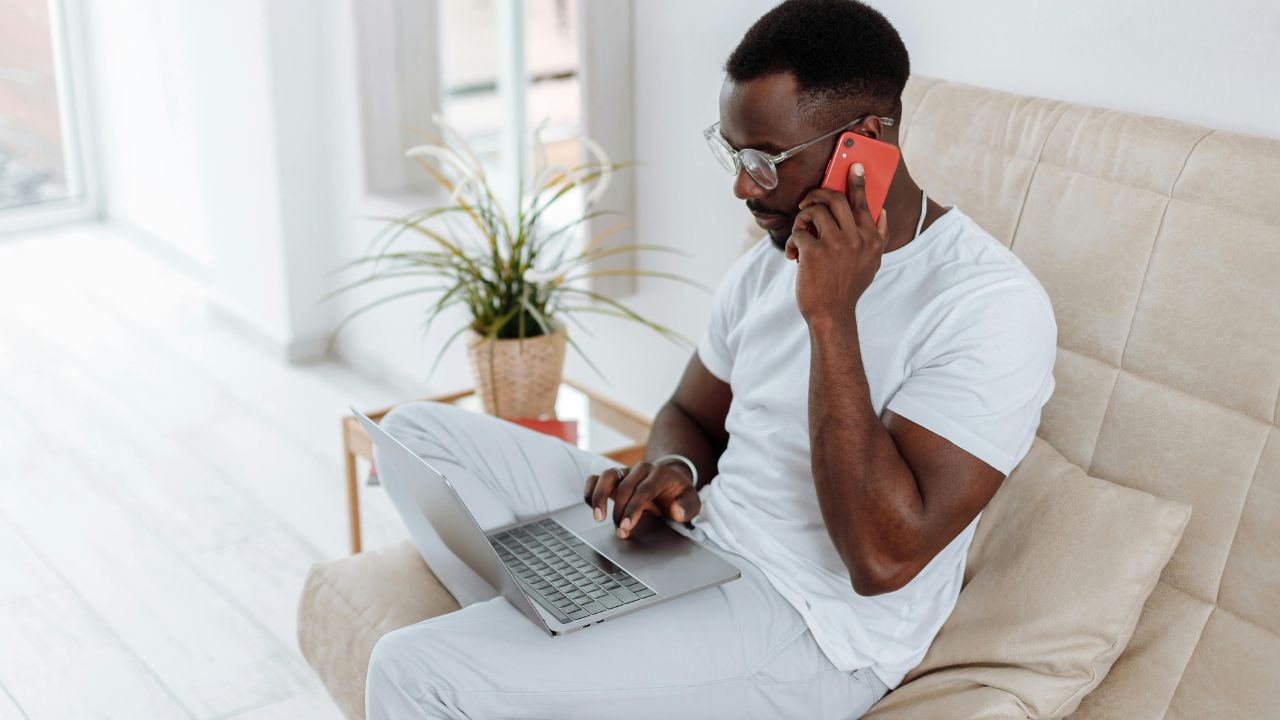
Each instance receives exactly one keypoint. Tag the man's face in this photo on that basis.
(763, 114)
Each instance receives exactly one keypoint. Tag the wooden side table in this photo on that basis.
(603, 426)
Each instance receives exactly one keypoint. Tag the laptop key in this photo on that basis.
(547, 605)
(593, 607)
(644, 593)
(625, 595)
(577, 614)
(609, 602)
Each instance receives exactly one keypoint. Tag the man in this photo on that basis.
(860, 393)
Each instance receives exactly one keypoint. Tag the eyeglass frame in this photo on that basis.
(712, 134)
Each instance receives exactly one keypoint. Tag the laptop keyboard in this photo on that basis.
(565, 575)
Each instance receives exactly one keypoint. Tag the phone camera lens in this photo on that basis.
(848, 142)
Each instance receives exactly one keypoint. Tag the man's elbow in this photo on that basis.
(880, 577)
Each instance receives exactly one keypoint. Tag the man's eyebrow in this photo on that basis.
(769, 148)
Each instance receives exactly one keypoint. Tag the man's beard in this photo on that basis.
(780, 240)
(777, 237)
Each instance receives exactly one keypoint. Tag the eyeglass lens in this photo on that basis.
(756, 163)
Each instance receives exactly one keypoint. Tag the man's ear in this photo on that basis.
(872, 127)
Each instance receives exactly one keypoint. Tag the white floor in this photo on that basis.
(164, 486)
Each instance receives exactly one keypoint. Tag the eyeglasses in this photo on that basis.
(761, 166)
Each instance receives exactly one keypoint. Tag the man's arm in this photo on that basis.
(690, 424)
(892, 493)
(692, 421)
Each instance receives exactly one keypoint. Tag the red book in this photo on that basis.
(566, 430)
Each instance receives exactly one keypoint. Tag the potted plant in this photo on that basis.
(518, 279)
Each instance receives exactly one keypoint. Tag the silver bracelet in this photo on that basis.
(687, 463)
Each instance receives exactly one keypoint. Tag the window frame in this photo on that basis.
(66, 21)
(400, 85)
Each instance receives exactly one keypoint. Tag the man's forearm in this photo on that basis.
(868, 495)
(674, 431)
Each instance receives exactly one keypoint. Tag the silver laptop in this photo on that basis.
(563, 570)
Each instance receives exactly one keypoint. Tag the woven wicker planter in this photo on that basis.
(526, 373)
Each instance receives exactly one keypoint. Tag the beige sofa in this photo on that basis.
(1159, 243)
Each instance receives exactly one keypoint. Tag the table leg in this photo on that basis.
(353, 501)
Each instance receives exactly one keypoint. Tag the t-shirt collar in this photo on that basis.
(921, 243)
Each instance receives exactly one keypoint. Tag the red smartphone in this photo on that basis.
(879, 163)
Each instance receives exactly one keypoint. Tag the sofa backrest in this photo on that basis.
(1159, 243)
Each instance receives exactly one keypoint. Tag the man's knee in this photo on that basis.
(412, 417)
(424, 426)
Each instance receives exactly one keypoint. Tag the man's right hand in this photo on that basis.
(664, 490)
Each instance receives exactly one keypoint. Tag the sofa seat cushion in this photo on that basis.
(348, 604)
(1057, 575)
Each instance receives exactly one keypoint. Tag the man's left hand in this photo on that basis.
(838, 247)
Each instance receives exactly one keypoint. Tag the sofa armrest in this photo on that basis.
(348, 604)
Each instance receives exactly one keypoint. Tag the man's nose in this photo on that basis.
(744, 188)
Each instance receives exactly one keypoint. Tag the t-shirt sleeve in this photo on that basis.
(983, 374)
(717, 347)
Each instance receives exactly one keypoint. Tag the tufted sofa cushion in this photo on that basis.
(1159, 244)
(1056, 577)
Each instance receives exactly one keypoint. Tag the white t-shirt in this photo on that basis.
(957, 335)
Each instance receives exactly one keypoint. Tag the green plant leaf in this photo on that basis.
(397, 226)
(584, 257)
(543, 323)
(626, 311)
(481, 256)
(440, 354)
(586, 331)
(375, 304)
(426, 258)
(639, 273)
(386, 275)
(587, 358)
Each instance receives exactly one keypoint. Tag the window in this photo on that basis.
(42, 169)
(495, 70)
(472, 64)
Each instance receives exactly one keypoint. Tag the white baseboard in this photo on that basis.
(230, 315)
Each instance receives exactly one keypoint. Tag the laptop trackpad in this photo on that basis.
(652, 544)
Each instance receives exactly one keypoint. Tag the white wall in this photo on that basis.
(234, 130)
(142, 109)
(302, 39)
(1212, 64)
(213, 129)
(1208, 64)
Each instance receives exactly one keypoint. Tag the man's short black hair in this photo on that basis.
(845, 57)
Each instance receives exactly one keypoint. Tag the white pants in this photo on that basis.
(738, 650)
